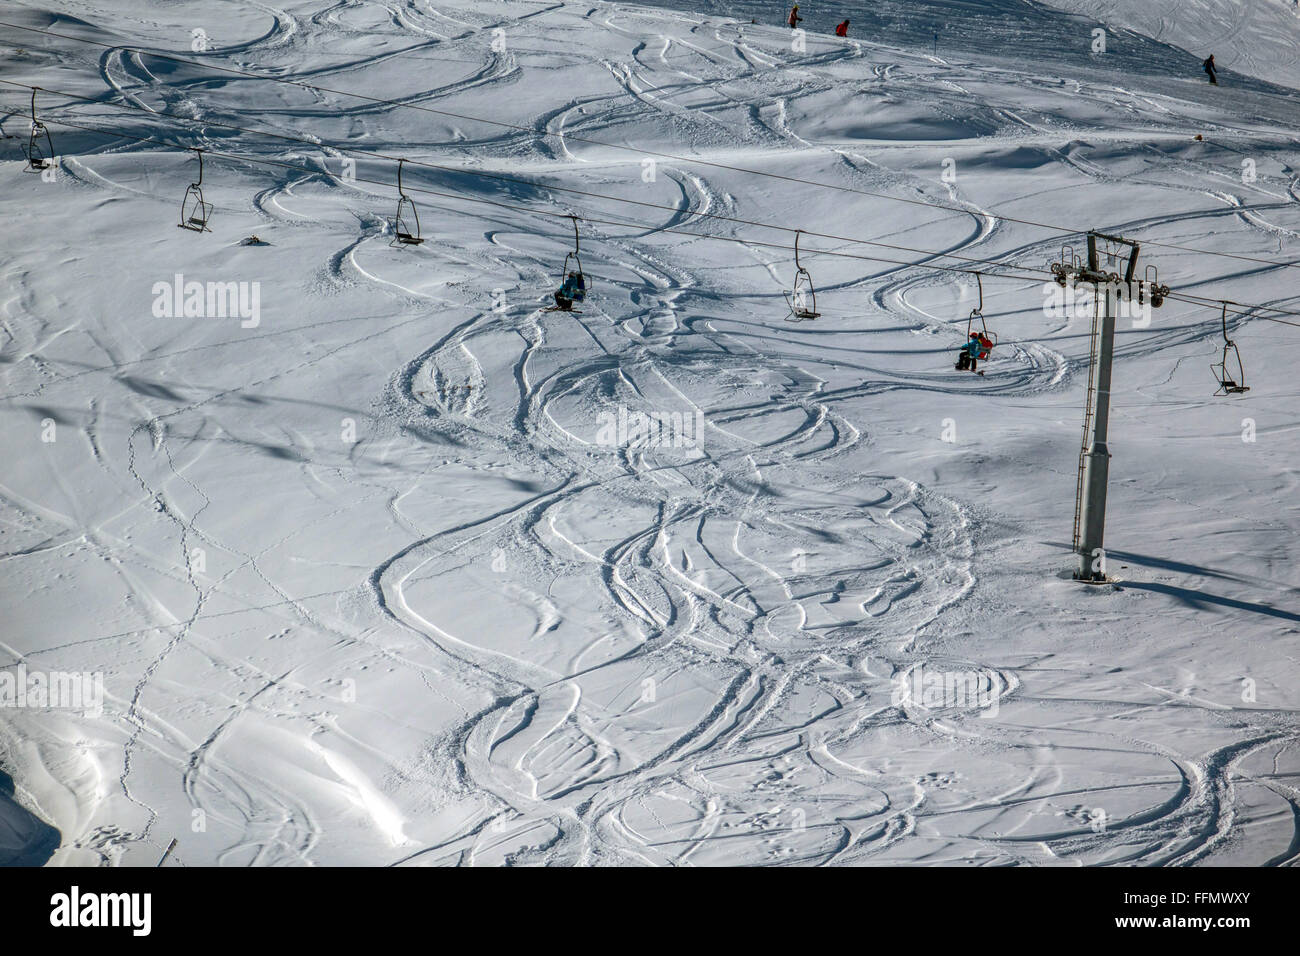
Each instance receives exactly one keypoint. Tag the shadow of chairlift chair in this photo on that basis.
(406, 223)
(1229, 364)
(573, 282)
(38, 158)
(802, 299)
(195, 212)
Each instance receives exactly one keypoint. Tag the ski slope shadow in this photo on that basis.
(25, 839)
(1200, 600)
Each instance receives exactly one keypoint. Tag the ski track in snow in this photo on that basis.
(710, 641)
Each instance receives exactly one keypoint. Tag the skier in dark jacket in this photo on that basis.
(842, 29)
(573, 289)
(795, 19)
(1208, 66)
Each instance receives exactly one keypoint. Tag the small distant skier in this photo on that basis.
(1208, 67)
(795, 19)
(842, 30)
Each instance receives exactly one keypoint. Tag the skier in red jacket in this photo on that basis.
(842, 30)
(795, 19)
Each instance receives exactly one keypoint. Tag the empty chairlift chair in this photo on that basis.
(40, 150)
(1152, 283)
(1229, 372)
(406, 223)
(802, 298)
(195, 212)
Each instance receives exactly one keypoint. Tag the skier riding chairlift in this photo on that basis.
(979, 345)
(573, 289)
(976, 349)
(573, 285)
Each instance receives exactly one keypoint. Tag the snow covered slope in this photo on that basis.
(1252, 37)
(372, 577)
(1257, 38)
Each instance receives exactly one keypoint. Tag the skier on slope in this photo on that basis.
(1209, 68)
(842, 29)
(795, 19)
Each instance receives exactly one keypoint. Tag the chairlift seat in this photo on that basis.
(573, 281)
(798, 311)
(406, 217)
(803, 290)
(195, 212)
(402, 231)
(1229, 384)
(38, 159)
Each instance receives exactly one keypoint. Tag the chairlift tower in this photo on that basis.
(1094, 454)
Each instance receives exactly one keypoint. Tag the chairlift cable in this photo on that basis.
(1251, 310)
(502, 177)
(648, 227)
(640, 151)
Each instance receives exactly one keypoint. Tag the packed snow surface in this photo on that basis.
(374, 574)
